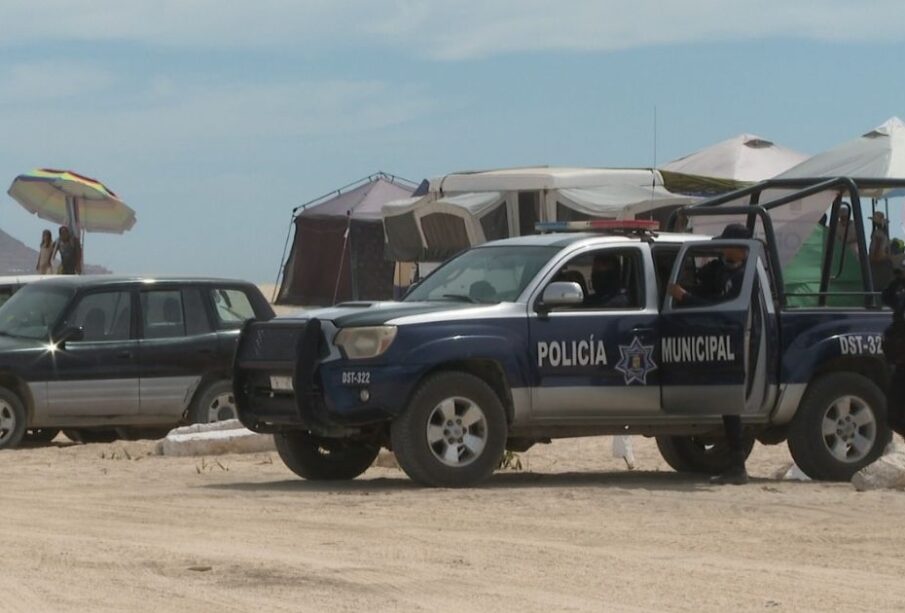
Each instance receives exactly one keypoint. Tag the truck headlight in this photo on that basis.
(366, 342)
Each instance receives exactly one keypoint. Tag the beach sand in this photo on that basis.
(113, 528)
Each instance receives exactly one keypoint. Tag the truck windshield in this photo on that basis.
(33, 310)
(484, 275)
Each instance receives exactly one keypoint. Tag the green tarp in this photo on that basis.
(802, 275)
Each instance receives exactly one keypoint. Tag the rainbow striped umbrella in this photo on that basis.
(68, 198)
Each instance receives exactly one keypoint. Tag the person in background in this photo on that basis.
(845, 231)
(880, 263)
(897, 254)
(45, 254)
(70, 252)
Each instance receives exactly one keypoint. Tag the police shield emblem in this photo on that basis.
(636, 361)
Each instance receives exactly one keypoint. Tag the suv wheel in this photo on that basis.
(453, 432)
(215, 403)
(707, 455)
(12, 419)
(322, 459)
(840, 426)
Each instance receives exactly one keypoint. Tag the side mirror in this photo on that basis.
(561, 293)
(70, 334)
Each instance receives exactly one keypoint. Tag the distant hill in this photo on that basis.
(17, 258)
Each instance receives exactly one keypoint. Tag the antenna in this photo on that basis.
(653, 170)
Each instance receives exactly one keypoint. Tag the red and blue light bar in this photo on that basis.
(599, 225)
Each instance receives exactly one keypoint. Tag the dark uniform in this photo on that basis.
(894, 350)
(720, 282)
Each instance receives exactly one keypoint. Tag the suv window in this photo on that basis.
(162, 314)
(103, 316)
(196, 320)
(609, 279)
(232, 307)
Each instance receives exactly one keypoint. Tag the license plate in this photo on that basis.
(281, 384)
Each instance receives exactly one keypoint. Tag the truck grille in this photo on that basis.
(270, 342)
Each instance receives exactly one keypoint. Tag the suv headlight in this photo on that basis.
(367, 342)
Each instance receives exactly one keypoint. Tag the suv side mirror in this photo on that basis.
(561, 293)
(71, 334)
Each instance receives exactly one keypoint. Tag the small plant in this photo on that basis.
(206, 467)
(510, 461)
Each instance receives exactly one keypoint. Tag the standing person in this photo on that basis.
(45, 254)
(722, 280)
(894, 350)
(70, 253)
(880, 263)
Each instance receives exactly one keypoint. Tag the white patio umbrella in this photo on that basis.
(745, 157)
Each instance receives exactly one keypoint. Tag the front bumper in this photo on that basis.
(331, 396)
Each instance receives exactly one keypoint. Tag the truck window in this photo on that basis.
(711, 275)
(610, 279)
(162, 314)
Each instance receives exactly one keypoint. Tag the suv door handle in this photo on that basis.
(124, 355)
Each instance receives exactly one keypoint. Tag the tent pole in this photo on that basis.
(276, 283)
(342, 258)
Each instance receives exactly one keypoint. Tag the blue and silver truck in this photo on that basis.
(515, 342)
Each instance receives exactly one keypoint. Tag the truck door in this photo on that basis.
(718, 341)
(595, 359)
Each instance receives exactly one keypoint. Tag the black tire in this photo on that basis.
(811, 448)
(40, 436)
(216, 402)
(91, 435)
(12, 419)
(420, 459)
(321, 459)
(708, 455)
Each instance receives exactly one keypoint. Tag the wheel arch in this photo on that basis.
(869, 366)
(489, 370)
(206, 380)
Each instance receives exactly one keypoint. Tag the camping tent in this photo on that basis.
(745, 157)
(468, 208)
(338, 250)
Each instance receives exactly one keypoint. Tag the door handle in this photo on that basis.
(641, 331)
(124, 355)
(205, 351)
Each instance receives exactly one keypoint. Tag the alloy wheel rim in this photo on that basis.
(849, 429)
(457, 432)
(7, 421)
(222, 407)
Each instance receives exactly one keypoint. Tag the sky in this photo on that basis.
(213, 120)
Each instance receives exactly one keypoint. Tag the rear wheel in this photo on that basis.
(453, 432)
(840, 426)
(707, 455)
(12, 420)
(323, 459)
(215, 403)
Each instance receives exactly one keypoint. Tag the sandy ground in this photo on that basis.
(113, 528)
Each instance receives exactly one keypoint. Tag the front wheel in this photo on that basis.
(840, 426)
(708, 455)
(453, 432)
(322, 459)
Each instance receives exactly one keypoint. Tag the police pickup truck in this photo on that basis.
(567, 334)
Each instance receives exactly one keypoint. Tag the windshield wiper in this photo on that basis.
(461, 298)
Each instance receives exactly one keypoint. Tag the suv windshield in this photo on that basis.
(484, 275)
(33, 310)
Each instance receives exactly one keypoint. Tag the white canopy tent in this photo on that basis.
(469, 208)
(745, 157)
(879, 153)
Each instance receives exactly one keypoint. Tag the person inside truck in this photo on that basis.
(606, 281)
(721, 280)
